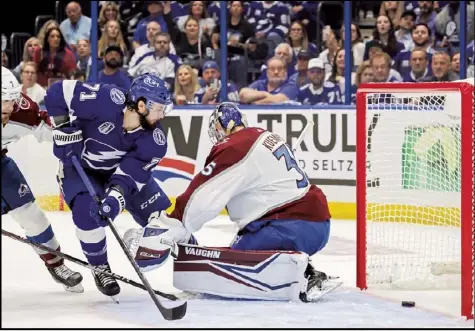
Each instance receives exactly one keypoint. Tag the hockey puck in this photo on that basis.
(408, 303)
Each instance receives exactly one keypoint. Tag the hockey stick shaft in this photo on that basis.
(302, 135)
(168, 313)
(84, 264)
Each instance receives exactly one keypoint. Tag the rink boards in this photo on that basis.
(327, 154)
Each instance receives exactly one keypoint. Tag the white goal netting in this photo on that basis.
(414, 185)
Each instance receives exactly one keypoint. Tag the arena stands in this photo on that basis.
(408, 39)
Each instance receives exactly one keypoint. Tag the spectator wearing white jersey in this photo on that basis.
(29, 85)
(152, 29)
(159, 61)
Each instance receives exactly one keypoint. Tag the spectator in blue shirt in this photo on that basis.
(112, 73)
(76, 26)
(275, 89)
(211, 84)
(155, 8)
(419, 64)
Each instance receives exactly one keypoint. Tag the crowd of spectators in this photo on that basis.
(273, 54)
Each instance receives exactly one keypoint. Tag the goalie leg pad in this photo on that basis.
(262, 275)
(292, 235)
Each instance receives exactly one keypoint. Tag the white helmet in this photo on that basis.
(10, 87)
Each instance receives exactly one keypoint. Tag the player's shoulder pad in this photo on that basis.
(328, 84)
(101, 95)
(26, 103)
(152, 144)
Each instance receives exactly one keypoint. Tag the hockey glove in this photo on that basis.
(110, 207)
(67, 142)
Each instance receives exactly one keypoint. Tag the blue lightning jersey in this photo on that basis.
(98, 110)
(328, 94)
(268, 18)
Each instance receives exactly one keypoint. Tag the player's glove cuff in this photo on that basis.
(62, 137)
(117, 196)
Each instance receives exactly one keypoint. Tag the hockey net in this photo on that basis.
(415, 187)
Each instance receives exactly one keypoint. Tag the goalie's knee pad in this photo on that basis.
(265, 275)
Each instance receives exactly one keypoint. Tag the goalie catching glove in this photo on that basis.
(153, 244)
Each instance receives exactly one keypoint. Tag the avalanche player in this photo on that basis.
(119, 140)
(254, 175)
(21, 116)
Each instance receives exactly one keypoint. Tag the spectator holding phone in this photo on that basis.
(211, 83)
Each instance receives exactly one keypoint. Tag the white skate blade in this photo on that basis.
(74, 289)
(114, 299)
(315, 294)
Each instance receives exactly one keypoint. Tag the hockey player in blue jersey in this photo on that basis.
(318, 92)
(118, 139)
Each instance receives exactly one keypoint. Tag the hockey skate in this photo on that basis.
(105, 283)
(70, 279)
(318, 285)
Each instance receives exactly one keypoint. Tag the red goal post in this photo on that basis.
(415, 185)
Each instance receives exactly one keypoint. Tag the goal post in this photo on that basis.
(415, 187)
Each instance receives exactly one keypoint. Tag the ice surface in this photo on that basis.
(31, 299)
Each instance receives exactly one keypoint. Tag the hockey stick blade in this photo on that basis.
(169, 314)
(178, 296)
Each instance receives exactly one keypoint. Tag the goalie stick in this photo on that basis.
(170, 314)
(180, 296)
(302, 135)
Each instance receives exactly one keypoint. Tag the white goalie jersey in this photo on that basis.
(254, 175)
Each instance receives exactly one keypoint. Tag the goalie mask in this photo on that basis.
(228, 115)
